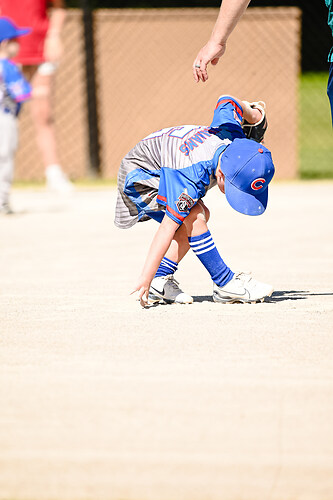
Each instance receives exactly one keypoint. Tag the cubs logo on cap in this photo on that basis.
(248, 169)
(258, 184)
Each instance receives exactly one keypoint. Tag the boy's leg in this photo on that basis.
(8, 145)
(164, 287)
(6, 179)
(228, 287)
(179, 245)
(202, 243)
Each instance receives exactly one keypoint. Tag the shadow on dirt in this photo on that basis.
(277, 296)
(203, 298)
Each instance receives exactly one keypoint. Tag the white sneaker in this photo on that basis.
(242, 288)
(6, 209)
(57, 180)
(166, 289)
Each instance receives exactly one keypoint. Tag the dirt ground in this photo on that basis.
(102, 400)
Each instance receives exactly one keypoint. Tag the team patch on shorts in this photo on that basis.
(185, 202)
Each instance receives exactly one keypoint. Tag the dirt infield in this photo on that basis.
(102, 400)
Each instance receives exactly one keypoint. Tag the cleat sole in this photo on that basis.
(240, 301)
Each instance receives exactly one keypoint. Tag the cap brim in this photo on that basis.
(23, 31)
(245, 203)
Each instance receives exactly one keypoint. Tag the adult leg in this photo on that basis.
(42, 108)
(330, 89)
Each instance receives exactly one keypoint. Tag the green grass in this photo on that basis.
(316, 133)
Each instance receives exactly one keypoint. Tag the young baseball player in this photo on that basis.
(166, 175)
(14, 89)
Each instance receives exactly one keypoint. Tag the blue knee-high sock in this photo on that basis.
(204, 248)
(167, 266)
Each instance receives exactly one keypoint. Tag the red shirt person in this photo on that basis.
(32, 13)
(39, 55)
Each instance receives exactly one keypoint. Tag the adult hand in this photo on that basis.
(210, 53)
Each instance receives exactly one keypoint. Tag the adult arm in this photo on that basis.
(53, 46)
(229, 15)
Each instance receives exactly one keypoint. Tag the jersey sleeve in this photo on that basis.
(228, 118)
(177, 193)
(17, 86)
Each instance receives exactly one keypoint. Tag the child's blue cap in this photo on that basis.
(248, 169)
(8, 29)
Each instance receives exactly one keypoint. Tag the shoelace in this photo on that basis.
(244, 276)
(174, 283)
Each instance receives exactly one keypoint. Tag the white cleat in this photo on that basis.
(166, 289)
(57, 181)
(242, 288)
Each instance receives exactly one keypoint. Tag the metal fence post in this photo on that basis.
(91, 89)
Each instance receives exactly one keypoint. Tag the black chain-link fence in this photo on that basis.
(140, 80)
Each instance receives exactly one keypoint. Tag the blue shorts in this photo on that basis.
(158, 216)
(330, 89)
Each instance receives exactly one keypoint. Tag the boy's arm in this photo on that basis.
(254, 120)
(251, 115)
(157, 250)
(231, 114)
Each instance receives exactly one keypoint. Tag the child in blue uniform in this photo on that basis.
(166, 175)
(14, 90)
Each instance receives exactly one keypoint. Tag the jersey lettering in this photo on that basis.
(191, 144)
(159, 133)
(194, 141)
(184, 149)
(181, 132)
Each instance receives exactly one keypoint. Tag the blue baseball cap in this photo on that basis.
(8, 29)
(248, 169)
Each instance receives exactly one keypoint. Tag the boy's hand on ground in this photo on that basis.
(143, 290)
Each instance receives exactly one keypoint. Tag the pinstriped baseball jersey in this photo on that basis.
(14, 88)
(173, 168)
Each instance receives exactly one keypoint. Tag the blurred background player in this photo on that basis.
(40, 53)
(229, 15)
(14, 89)
(166, 175)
